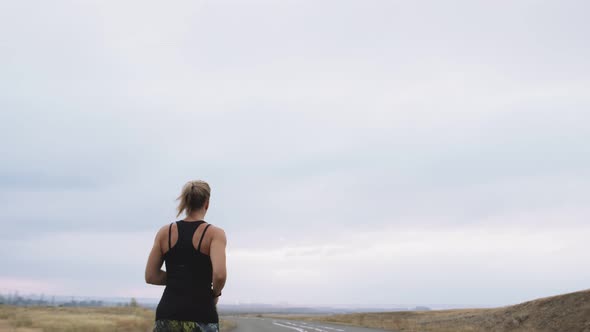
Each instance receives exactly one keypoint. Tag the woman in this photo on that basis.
(194, 252)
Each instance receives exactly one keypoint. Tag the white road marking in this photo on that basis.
(290, 327)
(307, 326)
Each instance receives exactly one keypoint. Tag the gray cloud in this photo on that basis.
(309, 119)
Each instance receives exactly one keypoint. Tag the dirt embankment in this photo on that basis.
(562, 313)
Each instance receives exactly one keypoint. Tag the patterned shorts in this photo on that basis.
(165, 325)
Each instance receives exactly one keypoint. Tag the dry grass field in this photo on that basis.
(562, 313)
(68, 319)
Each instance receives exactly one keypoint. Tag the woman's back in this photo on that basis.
(188, 295)
(194, 253)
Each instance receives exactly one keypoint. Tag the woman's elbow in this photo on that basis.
(220, 276)
(150, 278)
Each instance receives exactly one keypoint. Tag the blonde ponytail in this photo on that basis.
(194, 195)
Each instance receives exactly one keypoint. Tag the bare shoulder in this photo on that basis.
(217, 232)
(162, 232)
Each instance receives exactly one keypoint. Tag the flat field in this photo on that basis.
(80, 319)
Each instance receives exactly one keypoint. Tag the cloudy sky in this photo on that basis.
(359, 152)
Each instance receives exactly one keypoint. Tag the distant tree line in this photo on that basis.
(17, 300)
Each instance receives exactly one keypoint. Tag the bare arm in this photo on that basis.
(217, 254)
(153, 269)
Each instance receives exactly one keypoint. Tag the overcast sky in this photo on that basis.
(359, 152)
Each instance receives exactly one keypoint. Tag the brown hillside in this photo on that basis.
(563, 313)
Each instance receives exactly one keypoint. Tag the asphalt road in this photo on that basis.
(256, 324)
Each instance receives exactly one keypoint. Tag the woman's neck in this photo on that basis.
(195, 217)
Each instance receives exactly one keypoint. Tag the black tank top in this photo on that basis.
(188, 295)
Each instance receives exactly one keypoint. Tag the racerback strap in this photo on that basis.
(170, 236)
(202, 236)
